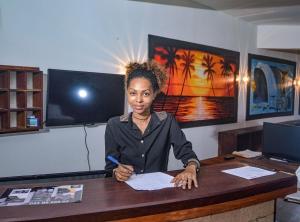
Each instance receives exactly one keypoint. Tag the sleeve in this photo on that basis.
(111, 148)
(182, 148)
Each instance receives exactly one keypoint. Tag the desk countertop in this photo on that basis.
(108, 199)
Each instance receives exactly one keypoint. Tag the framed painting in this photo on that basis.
(270, 91)
(201, 88)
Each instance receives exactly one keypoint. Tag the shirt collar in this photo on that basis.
(160, 116)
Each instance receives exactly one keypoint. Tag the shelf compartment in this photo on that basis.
(17, 99)
(4, 120)
(4, 100)
(37, 80)
(34, 99)
(18, 119)
(4, 80)
(21, 80)
(37, 99)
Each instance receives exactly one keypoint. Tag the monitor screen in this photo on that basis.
(281, 141)
(76, 97)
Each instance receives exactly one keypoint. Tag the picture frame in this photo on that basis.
(201, 88)
(270, 90)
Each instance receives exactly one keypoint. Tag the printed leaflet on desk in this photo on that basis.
(42, 195)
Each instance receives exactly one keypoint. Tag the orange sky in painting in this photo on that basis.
(198, 85)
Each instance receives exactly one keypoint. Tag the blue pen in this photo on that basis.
(114, 160)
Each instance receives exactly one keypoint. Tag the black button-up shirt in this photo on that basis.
(148, 152)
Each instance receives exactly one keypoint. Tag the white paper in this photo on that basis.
(150, 181)
(249, 172)
(247, 153)
(294, 196)
(298, 176)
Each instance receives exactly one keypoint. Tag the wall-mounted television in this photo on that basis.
(281, 141)
(79, 98)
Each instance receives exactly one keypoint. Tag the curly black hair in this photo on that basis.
(149, 70)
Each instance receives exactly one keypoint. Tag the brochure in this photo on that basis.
(42, 195)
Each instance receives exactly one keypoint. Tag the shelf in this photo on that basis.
(34, 108)
(240, 139)
(19, 129)
(21, 96)
(17, 109)
(24, 90)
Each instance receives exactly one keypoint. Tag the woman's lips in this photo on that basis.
(139, 107)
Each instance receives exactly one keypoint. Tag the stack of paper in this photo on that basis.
(150, 181)
(249, 172)
(294, 197)
(247, 153)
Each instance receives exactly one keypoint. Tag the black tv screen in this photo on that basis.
(281, 141)
(76, 97)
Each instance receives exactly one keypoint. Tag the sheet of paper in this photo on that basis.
(249, 172)
(247, 153)
(294, 196)
(150, 181)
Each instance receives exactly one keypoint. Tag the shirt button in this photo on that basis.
(142, 141)
(142, 171)
(143, 155)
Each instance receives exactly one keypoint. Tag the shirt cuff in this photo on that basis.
(195, 161)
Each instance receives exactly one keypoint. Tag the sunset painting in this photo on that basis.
(201, 87)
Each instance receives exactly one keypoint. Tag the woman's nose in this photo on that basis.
(139, 98)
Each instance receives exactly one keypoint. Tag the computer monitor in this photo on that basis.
(281, 141)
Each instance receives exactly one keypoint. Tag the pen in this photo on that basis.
(114, 160)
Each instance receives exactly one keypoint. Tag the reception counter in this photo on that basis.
(217, 196)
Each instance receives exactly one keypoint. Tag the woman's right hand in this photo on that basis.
(123, 172)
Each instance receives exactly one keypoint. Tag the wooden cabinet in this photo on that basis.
(21, 96)
(240, 139)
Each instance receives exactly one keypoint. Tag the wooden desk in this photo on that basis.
(106, 199)
(258, 161)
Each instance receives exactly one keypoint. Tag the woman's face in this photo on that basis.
(140, 95)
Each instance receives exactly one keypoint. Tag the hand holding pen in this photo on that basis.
(122, 172)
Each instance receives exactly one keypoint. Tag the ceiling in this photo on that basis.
(258, 12)
(270, 12)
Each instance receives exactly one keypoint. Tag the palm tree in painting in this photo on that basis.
(188, 61)
(226, 71)
(170, 55)
(209, 71)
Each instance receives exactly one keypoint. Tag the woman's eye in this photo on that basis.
(132, 93)
(146, 94)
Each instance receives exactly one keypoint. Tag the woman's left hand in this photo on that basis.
(187, 177)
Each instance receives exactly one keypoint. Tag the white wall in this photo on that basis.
(270, 36)
(101, 36)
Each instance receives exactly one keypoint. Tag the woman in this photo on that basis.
(141, 140)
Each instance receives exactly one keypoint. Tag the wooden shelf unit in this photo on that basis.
(21, 95)
(240, 139)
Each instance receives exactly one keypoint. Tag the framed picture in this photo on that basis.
(201, 88)
(270, 91)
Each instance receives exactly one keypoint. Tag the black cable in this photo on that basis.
(87, 148)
